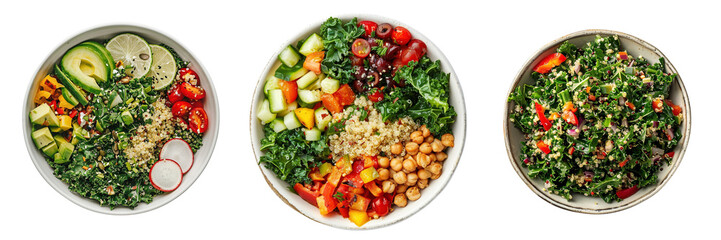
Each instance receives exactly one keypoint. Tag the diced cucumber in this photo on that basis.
(311, 134)
(264, 113)
(277, 101)
(304, 104)
(316, 84)
(271, 83)
(277, 125)
(291, 121)
(309, 96)
(307, 79)
(607, 88)
(289, 56)
(329, 85)
(313, 43)
(322, 118)
(292, 106)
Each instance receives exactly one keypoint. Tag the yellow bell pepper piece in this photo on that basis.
(64, 103)
(40, 95)
(358, 217)
(49, 84)
(369, 174)
(305, 116)
(66, 122)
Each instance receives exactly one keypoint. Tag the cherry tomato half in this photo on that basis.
(377, 96)
(369, 26)
(198, 120)
(381, 205)
(401, 35)
(187, 74)
(174, 94)
(408, 54)
(361, 48)
(181, 109)
(191, 91)
(419, 46)
(196, 104)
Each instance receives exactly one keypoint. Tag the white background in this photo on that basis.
(486, 43)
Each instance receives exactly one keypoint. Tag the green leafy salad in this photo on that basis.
(597, 121)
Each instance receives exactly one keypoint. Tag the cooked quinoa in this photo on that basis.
(150, 137)
(371, 136)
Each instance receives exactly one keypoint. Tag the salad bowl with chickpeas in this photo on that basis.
(359, 125)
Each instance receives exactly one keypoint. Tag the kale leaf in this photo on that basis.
(337, 37)
(290, 156)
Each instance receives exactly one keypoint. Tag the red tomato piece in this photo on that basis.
(570, 118)
(543, 146)
(174, 94)
(657, 105)
(345, 95)
(419, 46)
(196, 104)
(377, 96)
(625, 193)
(192, 92)
(401, 35)
(188, 75)
(381, 206)
(290, 90)
(549, 62)
(408, 55)
(312, 61)
(361, 48)
(331, 103)
(675, 109)
(198, 120)
(306, 194)
(369, 27)
(181, 109)
(370, 161)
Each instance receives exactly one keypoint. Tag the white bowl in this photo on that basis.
(101, 34)
(594, 205)
(454, 154)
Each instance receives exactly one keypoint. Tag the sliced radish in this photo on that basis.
(179, 151)
(166, 175)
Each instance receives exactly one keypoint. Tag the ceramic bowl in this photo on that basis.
(335, 220)
(513, 136)
(101, 34)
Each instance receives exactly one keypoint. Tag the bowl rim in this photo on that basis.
(625, 204)
(314, 26)
(72, 196)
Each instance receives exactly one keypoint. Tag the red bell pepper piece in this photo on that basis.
(625, 193)
(290, 90)
(543, 146)
(360, 203)
(370, 161)
(326, 202)
(374, 189)
(306, 194)
(674, 108)
(549, 62)
(544, 121)
(570, 118)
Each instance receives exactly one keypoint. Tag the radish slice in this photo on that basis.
(166, 175)
(179, 151)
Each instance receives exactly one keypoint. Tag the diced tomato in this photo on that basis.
(631, 106)
(373, 188)
(192, 92)
(73, 113)
(312, 61)
(675, 108)
(358, 166)
(370, 161)
(543, 146)
(306, 194)
(331, 103)
(544, 121)
(174, 94)
(625, 193)
(381, 206)
(345, 95)
(621, 164)
(657, 105)
(376, 96)
(290, 90)
(570, 118)
(549, 62)
(670, 154)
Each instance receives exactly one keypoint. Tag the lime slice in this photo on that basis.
(134, 51)
(163, 68)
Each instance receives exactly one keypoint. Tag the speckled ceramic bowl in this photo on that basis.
(101, 34)
(335, 220)
(579, 203)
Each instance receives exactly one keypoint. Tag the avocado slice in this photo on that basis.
(43, 115)
(50, 149)
(85, 65)
(109, 61)
(64, 152)
(73, 89)
(42, 137)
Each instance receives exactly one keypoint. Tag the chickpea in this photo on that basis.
(384, 162)
(400, 177)
(400, 200)
(423, 174)
(388, 186)
(417, 137)
(425, 131)
(422, 183)
(397, 148)
(383, 174)
(436, 176)
(440, 156)
(413, 193)
(423, 160)
(437, 145)
(396, 164)
(447, 140)
(429, 139)
(409, 165)
(433, 157)
(425, 148)
(412, 148)
(401, 188)
(435, 168)
(411, 179)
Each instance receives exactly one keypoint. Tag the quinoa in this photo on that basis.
(371, 136)
(149, 137)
